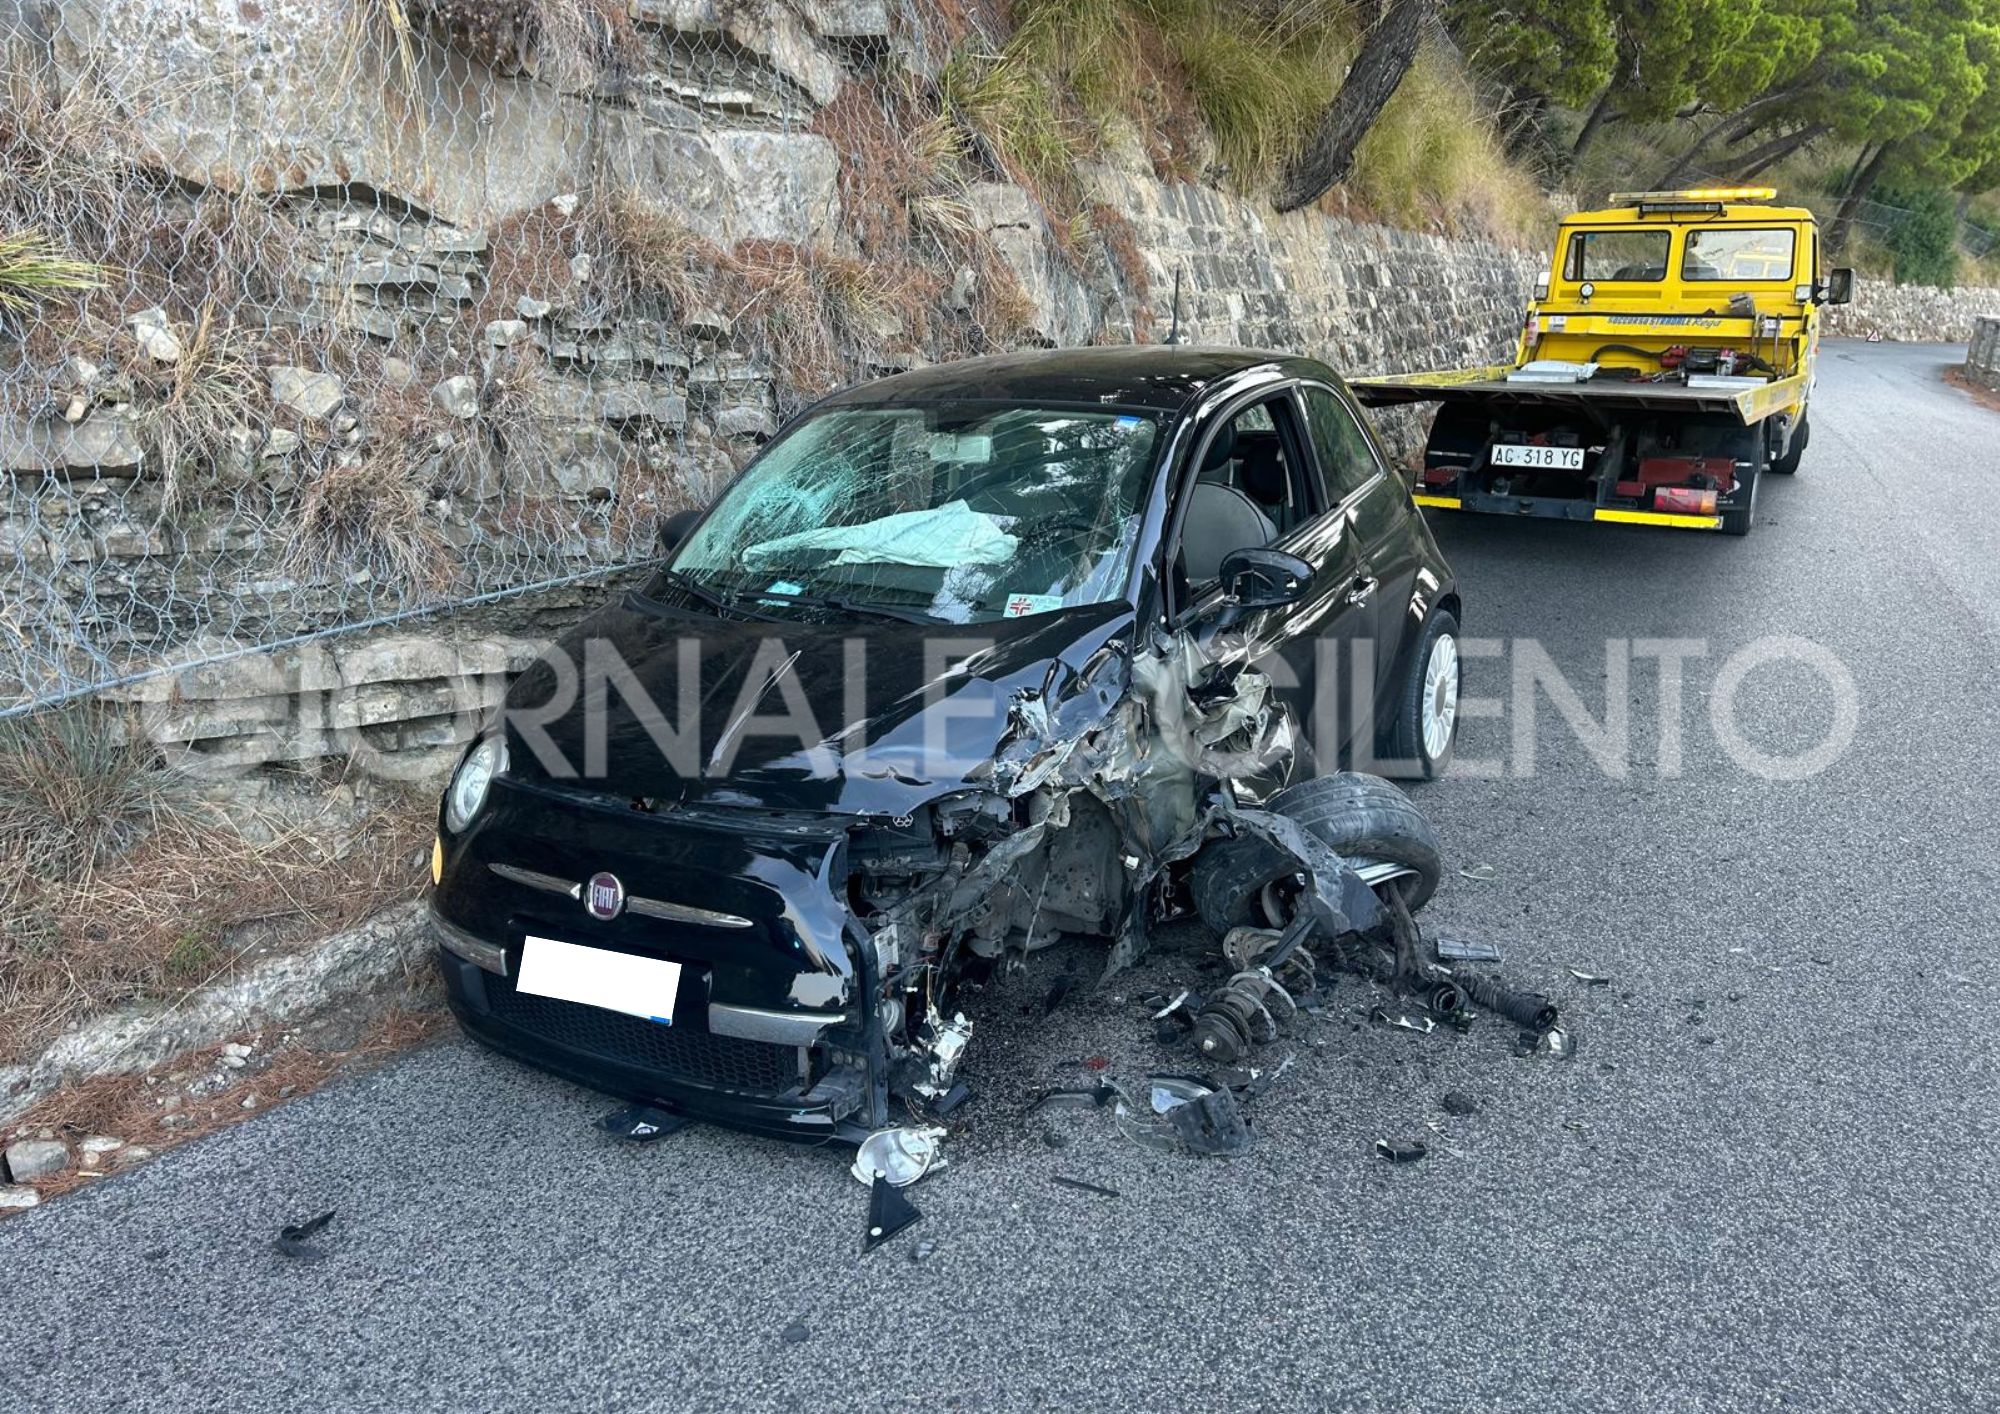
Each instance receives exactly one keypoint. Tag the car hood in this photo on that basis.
(644, 699)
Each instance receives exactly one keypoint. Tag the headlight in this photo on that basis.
(468, 788)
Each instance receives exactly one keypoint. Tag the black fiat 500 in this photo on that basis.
(966, 660)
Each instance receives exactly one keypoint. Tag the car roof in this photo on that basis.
(1161, 376)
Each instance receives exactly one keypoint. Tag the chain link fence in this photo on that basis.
(317, 314)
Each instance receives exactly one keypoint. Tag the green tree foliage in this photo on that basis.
(1925, 242)
(1558, 49)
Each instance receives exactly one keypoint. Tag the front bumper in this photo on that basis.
(793, 1092)
(772, 1029)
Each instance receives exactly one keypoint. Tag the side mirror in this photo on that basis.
(674, 529)
(1839, 287)
(1257, 578)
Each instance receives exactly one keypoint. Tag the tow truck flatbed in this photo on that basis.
(1490, 385)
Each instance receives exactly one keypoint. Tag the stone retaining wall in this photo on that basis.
(1917, 314)
(1982, 361)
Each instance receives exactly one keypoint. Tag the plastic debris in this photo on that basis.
(1211, 1126)
(1555, 1043)
(924, 1249)
(1483, 873)
(642, 1124)
(889, 1212)
(1589, 979)
(901, 1156)
(1465, 950)
(1400, 1151)
(1078, 1096)
(1083, 1185)
(292, 1238)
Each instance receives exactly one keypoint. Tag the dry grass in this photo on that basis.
(1433, 158)
(192, 404)
(814, 313)
(370, 508)
(904, 170)
(657, 258)
(116, 884)
(61, 154)
(33, 269)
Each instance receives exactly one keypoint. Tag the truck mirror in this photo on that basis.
(1839, 286)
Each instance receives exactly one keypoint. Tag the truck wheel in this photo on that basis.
(1418, 740)
(1244, 881)
(1788, 464)
(1737, 521)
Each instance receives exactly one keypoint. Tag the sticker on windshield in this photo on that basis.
(1019, 606)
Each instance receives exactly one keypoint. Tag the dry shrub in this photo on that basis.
(903, 172)
(1433, 156)
(33, 269)
(816, 314)
(568, 43)
(656, 257)
(62, 146)
(73, 790)
(174, 900)
(190, 406)
(370, 509)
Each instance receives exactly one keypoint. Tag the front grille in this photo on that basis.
(695, 1057)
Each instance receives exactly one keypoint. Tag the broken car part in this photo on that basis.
(1464, 950)
(1400, 1151)
(641, 1124)
(889, 1212)
(1529, 1009)
(1084, 1185)
(292, 1238)
(902, 1156)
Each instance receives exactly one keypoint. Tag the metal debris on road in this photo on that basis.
(1482, 873)
(1184, 1114)
(1084, 1185)
(1401, 1021)
(1589, 979)
(1465, 950)
(1400, 1151)
(641, 1124)
(1530, 1009)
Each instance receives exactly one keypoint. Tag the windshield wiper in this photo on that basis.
(723, 602)
(848, 606)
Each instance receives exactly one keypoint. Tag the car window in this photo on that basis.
(1616, 255)
(1722, 253)
(961, 512)
(1249, 490)
(1346, 460)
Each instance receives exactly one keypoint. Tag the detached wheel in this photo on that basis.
(1419, 738)
(1245, 881)
(1788, 464)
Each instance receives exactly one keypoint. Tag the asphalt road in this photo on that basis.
(1765, 1182)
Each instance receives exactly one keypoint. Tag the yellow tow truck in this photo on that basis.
(1664, 367)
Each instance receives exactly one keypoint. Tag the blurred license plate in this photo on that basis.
(616, 981)
(1547, 458)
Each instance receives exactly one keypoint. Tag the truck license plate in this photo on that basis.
(1543, 458)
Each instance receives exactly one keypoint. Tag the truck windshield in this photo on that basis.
(957, 512)
(1616, 255)
(1733, 253)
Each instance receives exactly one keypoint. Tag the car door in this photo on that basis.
(1302, 645)
(1381, 519)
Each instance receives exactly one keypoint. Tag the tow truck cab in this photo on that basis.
(1664, 363)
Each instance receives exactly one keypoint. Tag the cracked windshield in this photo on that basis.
(961, 512)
